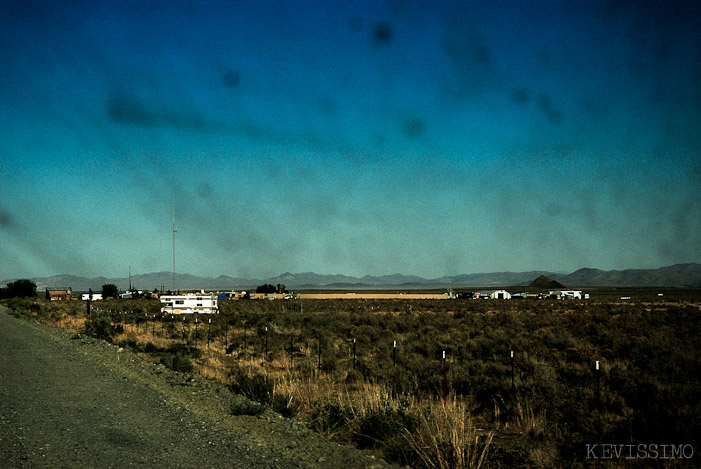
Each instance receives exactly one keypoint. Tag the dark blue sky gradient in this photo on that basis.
(426, 138)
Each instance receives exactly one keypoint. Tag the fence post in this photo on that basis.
(196, 330)
(597, 383)
(209, 331)
(512, 371)
(226, 336)
(266, 342)
(394, 353)
(445, 379)
(354, 353)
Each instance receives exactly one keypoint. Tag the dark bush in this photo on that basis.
(177, 362)
(184, 350)
(100, 327)
(246, 407)
(381, 425)
(284, 406)
(257, 387)
(330, 417)
(129, 343)
(151, 348)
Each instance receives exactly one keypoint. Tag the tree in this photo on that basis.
(19, 289)
(269, 288)
(109, 290)
(265, 288)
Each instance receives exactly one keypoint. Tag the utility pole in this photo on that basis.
(174, 231)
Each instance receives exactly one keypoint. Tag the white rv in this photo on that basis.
(188, 304)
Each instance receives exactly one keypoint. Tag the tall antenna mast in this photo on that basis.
(174, 231)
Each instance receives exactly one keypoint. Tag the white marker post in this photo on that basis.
(354, 353)
(209, 331)
(445, 378)
(512, 371)
(597, 376)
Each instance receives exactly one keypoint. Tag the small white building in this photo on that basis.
(500, 295)
(188, 304)
(95, 296)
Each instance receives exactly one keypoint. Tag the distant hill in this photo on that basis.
(670, 276)
(545, 282)
(677, 275)
(150, 281)
(492, 279)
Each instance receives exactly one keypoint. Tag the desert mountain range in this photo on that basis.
(671, 276)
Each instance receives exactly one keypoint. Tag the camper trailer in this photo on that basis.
(189, 304)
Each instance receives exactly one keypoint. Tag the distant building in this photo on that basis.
(189, 304)
(566, 294)
(129, 294)
(527, 295)
(59, 293)
(365, 296)
(234, 295)
(500, 295)
(95, 296)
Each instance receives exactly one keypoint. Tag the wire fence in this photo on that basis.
(516, 371)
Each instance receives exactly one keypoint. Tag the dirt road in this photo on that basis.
(71, 401)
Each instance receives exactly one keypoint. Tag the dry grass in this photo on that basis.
(527, 420)
(448, 438)
(556, 343)
(214, 365)
(445, 437)
(69, 323)
(361, 400)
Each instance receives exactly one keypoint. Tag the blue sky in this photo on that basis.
(424, 138)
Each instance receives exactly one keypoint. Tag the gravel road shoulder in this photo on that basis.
(67, 400)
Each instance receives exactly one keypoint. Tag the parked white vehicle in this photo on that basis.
(567, 294)
(188, 304)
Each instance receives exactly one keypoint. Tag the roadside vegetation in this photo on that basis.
(373, 373)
